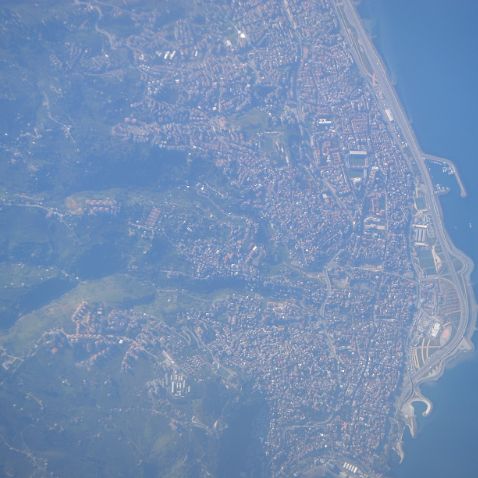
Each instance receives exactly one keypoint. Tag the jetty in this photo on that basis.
(452, 168)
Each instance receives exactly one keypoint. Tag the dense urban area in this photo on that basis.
(240, 246)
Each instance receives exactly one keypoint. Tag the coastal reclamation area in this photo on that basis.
(458, 264)
(428, 47)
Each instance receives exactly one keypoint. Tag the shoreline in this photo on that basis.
(407, 409)
(461, 354)
(460, 345)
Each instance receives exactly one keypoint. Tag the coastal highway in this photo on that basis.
(372, 66)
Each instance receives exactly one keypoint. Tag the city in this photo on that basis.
(296, 247)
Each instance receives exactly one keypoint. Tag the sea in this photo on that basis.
(430, 48)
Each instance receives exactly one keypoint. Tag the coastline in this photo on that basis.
(407, 408)
(460, 345)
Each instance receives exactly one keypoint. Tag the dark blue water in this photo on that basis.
(430, 48)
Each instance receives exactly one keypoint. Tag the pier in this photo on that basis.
(449, 164)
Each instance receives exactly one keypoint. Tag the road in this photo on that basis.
(372, 66)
